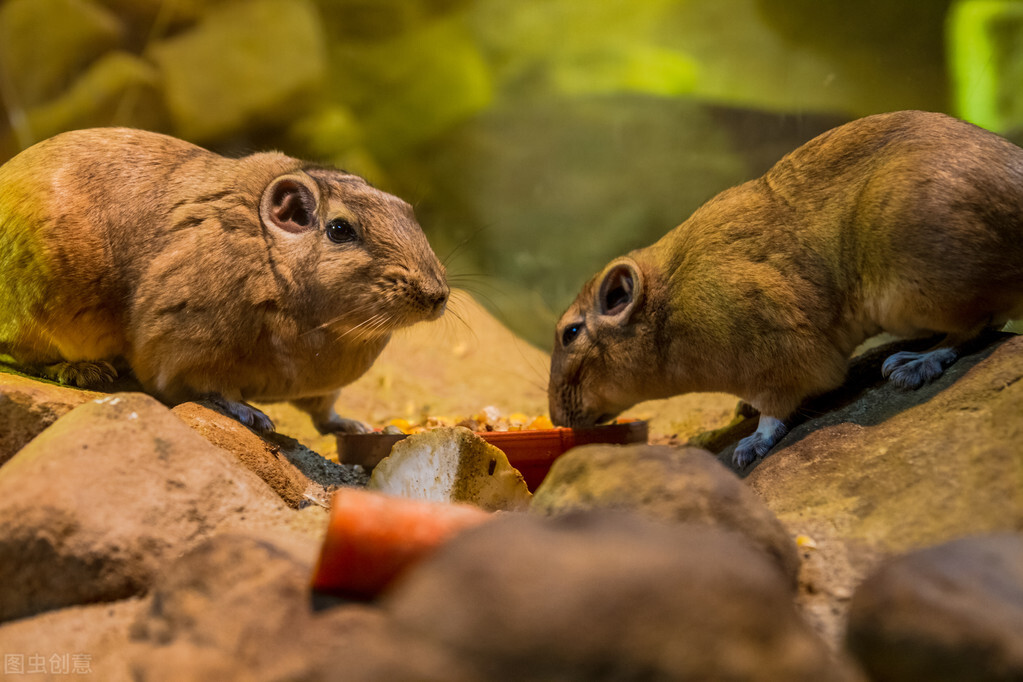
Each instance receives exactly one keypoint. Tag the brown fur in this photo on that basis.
(119, 243)
(909, 222)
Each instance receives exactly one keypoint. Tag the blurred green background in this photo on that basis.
(538, 139)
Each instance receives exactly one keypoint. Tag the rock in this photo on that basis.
(609, 596)
(666, 484)
(237, 606)
(874, 470)
(435, 76)
(80, 640)
(244, 64)
(116, 89)
(951, 613)
(98, 502)
(984, 58)
(27, 406)
(904, 469)
(451, 464)
(48, 42)
(362, 20)
(257, 455)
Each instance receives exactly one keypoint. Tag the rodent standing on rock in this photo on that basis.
(909, 222)
(260, 278)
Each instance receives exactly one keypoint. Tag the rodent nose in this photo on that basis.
(437, 299)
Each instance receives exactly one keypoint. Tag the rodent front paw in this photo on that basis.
(83, 374)
(243, 412)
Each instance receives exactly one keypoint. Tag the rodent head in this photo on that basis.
(354, 254)
(605, 346)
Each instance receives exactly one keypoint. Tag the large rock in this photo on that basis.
(92, 641)
(96, 504)
(434, 76)
(873, 470)
(667, 484)
(238, 607)
(45, 43)
(244, 64)
(609, 596)
(270, 460)
(905, 469)
(28, 406)
(118, 89)
(952, 613)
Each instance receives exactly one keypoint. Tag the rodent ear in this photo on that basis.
(289, 202)
(620, 289)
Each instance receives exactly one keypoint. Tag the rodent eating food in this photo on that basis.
(260, 278)
(908, 222)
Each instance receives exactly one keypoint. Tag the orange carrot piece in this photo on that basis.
(372, 538)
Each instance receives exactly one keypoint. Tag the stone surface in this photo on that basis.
(951, 613)
(905, 469)
(94, 505)
(260, 457)
(79, 642)
(118, 89)
(610, 596)
(872, 470)
(49, 42)
(667, 484)
(238, 607)
(27, 406)
(244, 64)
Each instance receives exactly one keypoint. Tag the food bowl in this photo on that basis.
(530, 451)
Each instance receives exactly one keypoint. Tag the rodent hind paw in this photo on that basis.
(910, 370)
(83, 374)
(338, 424)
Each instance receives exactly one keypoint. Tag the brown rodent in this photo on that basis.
(908, 222)
(259, 278)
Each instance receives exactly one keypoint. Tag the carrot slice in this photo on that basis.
(373, 538)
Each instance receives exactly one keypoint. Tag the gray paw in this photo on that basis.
(911, 370)
(338, 424)
(751, 448)
(243, 412)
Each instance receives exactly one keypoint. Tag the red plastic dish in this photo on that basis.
(531, 452)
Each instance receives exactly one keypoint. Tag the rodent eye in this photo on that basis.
(341, 231)
(571, 331)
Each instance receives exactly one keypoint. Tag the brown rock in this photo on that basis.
(256, 454)
(610, 596)
(666, 484)
(80, 642)
(238, 607)
(93, 506)
(904, 469)
(876, 470)
(27, 406)
(951, 613)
